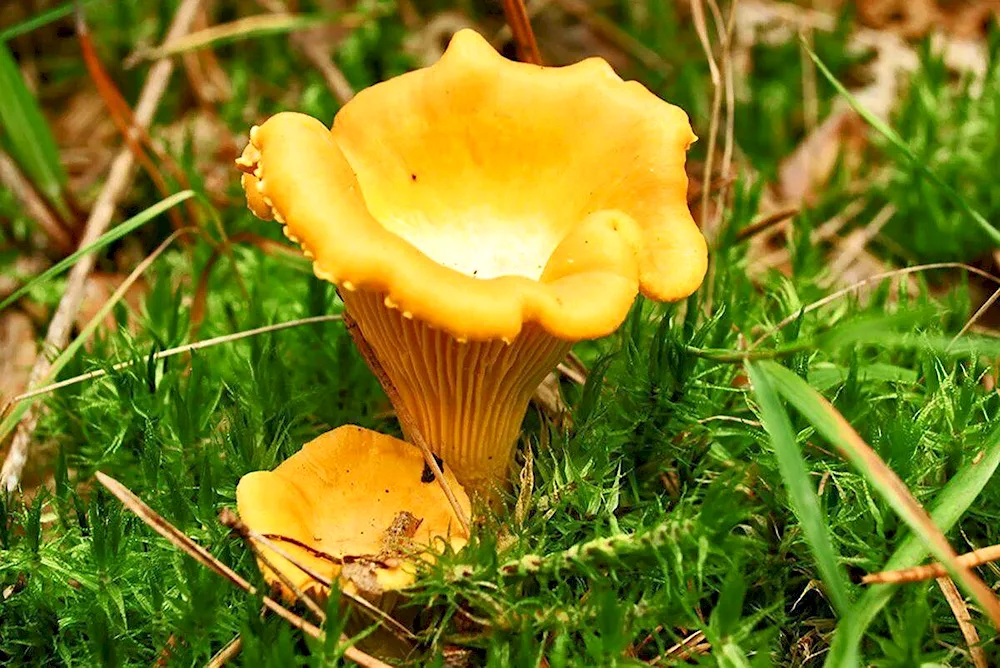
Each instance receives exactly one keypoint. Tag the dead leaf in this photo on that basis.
(87, 138)
(17, 341)
(973, 19)
(803, 174)
(361, 574)
(396, 541)
(910, 19)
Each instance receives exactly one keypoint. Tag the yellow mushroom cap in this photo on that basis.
(479, 195)
(341, 495)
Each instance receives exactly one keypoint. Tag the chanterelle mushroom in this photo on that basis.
(353, 503)
(479, 216)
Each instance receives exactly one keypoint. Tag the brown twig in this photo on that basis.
(936, 570)
(520, 27)
(970, 323)
(854, 448)
(227, 653)
(697, 188)
(118, 181)
(232, 521)
(204, 72)
(826, 231)
(319, 554)
(766, 223)
(300, 595)
(723, 84)
(231, 650)
(611, 31)
(134, 134)
(317, 55)
(321, 60)
(964, 619)
(205, 558)
(573, 368)
(163, 659)
(404, 416)
(810, 96)
(725, 28)
(282, 20)
(701, 28)
(12, 178)
(170, 352)
(854, 245)
(688, 648)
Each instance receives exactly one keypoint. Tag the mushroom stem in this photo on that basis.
(406, 420)
(465, 400)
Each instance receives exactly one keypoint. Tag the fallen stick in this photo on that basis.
(936, 570)
(183, 542)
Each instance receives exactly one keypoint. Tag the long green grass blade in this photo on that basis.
(28, 136)
(37, 21)
(825, 418)
(17, 412)
(108, 237)
(823, 377)
(900, 145)
(950, 504)
(801, 491)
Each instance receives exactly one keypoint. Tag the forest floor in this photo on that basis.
(716, 478)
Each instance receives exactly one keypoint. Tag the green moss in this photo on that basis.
(661, 513)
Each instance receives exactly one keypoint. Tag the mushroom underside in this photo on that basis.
(468, 399)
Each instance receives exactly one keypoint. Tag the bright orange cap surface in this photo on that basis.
(481, 194)
(339, 496)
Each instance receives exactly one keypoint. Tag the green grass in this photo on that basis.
(953, 135)
(683, 499)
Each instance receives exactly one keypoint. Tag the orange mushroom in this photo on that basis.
(479, 216)
(352, 503)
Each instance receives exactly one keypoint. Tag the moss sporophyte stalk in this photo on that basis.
(478, 217)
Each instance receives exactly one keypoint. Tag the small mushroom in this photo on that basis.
(351, 503)
(480, 216)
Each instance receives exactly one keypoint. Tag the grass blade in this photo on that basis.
(178, 350)
(900, 145)
(950, 504)
(248, 27)
(183, 542)
(108, 237)
(27, 132)
(38, 20)
(9, 475)
(832, 425)
(801, 491)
